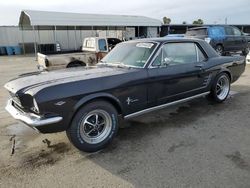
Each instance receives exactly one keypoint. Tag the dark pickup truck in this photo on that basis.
(135, 78)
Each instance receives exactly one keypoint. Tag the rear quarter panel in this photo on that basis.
(234, 66)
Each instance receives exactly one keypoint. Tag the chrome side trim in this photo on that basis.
(30, 118)
(164, 105)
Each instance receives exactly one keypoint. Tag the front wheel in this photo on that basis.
(94, 126)
(220, 88)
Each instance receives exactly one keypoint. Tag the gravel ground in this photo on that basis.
(196, 144)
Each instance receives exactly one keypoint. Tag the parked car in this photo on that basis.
(136, 77)
(222, 38)
(248, 58)
(93, 50)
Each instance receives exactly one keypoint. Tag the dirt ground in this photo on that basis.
(196, 144)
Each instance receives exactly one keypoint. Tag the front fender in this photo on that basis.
(105, 96)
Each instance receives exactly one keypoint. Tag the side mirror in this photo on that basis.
(166, 61)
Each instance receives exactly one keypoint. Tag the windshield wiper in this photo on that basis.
(115, 64)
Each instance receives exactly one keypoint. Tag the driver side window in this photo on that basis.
(179, 53)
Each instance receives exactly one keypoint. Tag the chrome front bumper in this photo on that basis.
(30, 118)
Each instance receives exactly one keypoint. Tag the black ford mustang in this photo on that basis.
(136, 77)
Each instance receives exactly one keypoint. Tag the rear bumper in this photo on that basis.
(35, 121)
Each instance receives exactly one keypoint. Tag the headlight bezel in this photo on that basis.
(35, 107)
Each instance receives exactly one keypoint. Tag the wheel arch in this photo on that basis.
(98, 96)
(75, 62)
(228, 72)
(220, 44)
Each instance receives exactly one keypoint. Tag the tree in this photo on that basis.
(166, 20)
(198, 22)
(184, 22)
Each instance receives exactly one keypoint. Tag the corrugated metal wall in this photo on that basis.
(10, 36)
(68, 39)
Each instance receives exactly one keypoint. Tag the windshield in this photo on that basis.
(133, 54)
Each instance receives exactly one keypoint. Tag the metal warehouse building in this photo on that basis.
(69, 29)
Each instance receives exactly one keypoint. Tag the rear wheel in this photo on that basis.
(219, 49)
(76, 64)
(94, 126)
(220, 88)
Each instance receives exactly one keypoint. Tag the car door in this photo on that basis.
(229, 41)
(239, 39)
(176, 73)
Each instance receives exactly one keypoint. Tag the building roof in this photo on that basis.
(45, 18)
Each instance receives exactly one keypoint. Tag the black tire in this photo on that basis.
(89, 142)
(220, 95)
(245, 51)
(219, 49)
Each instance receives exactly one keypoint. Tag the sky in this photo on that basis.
(211, 11)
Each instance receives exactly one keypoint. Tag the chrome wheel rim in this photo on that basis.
(95, 126)
(222, 87)
(219, 50)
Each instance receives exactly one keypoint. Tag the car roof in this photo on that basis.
(196, 28)
(165, 39)
(206, 27)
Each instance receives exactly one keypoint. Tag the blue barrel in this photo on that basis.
(10, 50)
(17, 50)
(3, 50)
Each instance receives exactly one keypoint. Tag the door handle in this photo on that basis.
(199, 66)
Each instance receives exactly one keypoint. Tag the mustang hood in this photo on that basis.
(29, 81)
